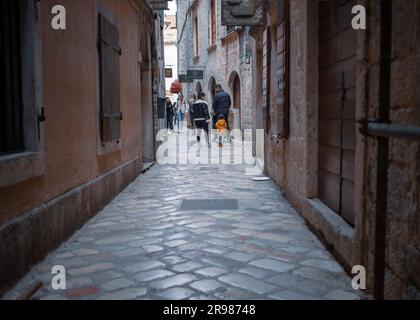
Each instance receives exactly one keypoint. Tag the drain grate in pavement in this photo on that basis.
(209, 204)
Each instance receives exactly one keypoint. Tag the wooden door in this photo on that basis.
(235, 119)
(337, 126)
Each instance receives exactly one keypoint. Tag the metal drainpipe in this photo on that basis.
(383, 149)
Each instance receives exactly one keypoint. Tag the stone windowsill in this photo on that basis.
(337, 223)
(20, 167)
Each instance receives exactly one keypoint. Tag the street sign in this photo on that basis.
(243, 13)
(195, 74)
(168, 72)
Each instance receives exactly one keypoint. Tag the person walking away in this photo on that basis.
(182, 108)
(201, 116)
(221, 126)
(193, 98)
(169, 115)
(222, 104)
(175, 108)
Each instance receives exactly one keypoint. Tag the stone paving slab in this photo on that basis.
(141, 246)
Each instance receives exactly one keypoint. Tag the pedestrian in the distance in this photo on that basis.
(201, 116)
(193, 98)
(169, 115)
(221, 126)
(181, 109)
(221, 104)
(175, 107)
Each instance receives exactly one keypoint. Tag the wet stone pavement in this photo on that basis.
(148, 244)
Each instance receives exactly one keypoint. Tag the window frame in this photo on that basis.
(28, 163)
(196, 33)
(213, 23)
(104, 147)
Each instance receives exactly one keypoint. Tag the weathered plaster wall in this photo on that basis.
(70, 101)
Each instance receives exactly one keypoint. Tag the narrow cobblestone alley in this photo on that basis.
(149, 244)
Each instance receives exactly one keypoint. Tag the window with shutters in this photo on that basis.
(110, 115)
(21, 113)
(267, 78)
(283, 68)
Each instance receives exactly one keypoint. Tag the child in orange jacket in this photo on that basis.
(221, 126)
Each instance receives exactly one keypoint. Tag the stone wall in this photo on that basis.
(403, 223)
(219, 62)
(292, 163)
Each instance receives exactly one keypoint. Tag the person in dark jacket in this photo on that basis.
(201, 116)
(169, 114)
(221, 104)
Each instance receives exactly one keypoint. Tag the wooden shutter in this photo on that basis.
(336, 112)
(11, 107)
(109, 52)
(266, 78)
(283, 69)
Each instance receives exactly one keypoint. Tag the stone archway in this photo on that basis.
(235, 120)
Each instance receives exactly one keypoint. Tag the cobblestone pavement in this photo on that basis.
(147, 245)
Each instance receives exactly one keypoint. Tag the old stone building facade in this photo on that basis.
(86, 121)
(315, 79)
(220, 52)
(171, 54)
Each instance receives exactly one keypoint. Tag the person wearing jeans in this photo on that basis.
(182, 108)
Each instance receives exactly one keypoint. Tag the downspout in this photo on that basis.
(383, 149)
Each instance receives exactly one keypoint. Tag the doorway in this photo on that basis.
(235, 113)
